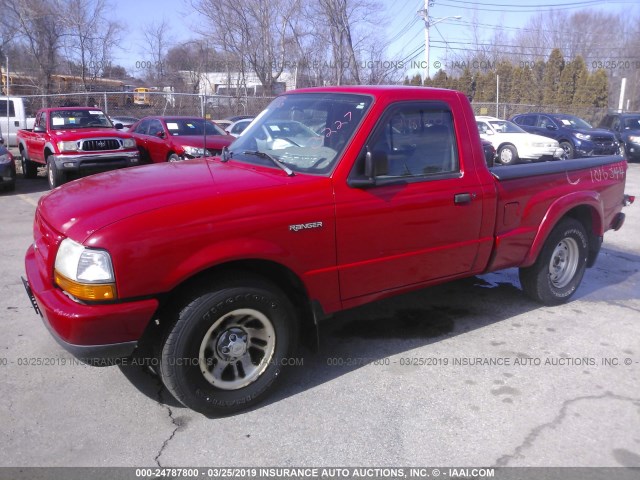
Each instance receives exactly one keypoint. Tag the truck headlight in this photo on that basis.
(68, 146)
(195, 151)
(85, 273)
(6, 158)
(634, 139)
(582, 136)
(128, 143)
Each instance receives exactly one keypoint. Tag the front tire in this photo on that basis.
(54, 175)
(173, 158)
(568, 150)
(558, 270)
(508, 155)
(228, 346)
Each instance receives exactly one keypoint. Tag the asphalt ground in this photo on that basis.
(470, 373)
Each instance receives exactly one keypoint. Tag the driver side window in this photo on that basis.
(418, 140)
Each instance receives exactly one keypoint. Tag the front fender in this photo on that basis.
(557, 210)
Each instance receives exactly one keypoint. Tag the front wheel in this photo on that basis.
(228, 346)
(558, 270)
(54, 175)
(568, 150)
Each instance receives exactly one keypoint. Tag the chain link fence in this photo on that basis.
(593, 115)
(217, 107)
(142, 104)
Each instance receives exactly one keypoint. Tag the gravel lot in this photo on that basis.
(398, 383)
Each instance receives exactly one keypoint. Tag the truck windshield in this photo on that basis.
(72, 119)
(305, 132)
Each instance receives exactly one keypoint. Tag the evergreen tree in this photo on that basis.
(552, 72)
(467, 83)
(581, 80)
(505, 71)
(598, 87)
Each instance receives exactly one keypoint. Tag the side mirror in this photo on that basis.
(375, 164)
(160, 134)
(551, 127)
(39, 129)
(489, 132)
(118, 126)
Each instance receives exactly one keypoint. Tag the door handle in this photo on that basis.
(462, 198)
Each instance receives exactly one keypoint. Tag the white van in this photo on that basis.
(17, 118)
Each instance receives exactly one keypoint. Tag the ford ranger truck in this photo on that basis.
(218, 267)
(74, 141)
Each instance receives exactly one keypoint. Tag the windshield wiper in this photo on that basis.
(277, 162)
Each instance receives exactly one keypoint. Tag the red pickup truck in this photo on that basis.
(216, 267)
(74, 140)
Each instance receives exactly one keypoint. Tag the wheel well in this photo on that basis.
(506, 145)
(277, 274)
(47, 152)
(590, 219)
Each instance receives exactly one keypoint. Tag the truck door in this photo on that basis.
(421, 220)
(36, 141)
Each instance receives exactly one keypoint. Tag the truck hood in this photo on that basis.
(82, 133)
(80, 208)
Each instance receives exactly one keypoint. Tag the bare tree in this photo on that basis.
(157, 44)
(38, 25)
(256, 33)
(91, 38)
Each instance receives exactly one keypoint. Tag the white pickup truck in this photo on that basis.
(17, 118)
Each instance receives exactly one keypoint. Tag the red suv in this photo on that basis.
(171, 139)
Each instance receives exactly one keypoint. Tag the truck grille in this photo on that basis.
(102, 144)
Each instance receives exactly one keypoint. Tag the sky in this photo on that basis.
(404, 31)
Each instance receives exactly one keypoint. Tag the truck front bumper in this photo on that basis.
(99, 161)
(92, 333)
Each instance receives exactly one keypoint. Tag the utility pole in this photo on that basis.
(428, 23)
(425, 16)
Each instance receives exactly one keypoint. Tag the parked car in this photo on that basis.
(513, 144)
(238, 126)
(7, 168)
(171, 139)
(576, 137)
(125, 121)
(489, 153)
(223, 124)
(626, 128)
(74, 141)
(235, 118)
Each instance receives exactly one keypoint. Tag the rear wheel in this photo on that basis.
(228, 346)
(54, 175)
(558, 271)
(508, 155)
(29, 168)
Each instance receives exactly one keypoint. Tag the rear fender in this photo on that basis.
(584, 206)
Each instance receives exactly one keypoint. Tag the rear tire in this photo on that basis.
(54, 175)
(228, 346)
(560, 266)
(29, 168)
